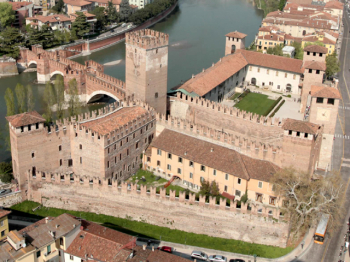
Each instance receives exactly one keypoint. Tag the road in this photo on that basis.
(329, 251)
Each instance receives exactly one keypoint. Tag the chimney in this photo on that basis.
(46, 220)
(144, 247)
(212, 64)
(152, 248)
(192, 75)
(211, 149)
(203, 70)
(186, 153)
(220, 59)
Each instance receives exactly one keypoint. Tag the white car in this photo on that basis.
(217, 258)
(199, 255)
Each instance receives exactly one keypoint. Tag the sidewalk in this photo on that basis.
(298, 252)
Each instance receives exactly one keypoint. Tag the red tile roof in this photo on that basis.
(316, 48)
(50, 18)
(314, 38)
(315, 65)
(119, 118)
(4, 213)
(236, 34)
(272, 37)
(24, 119)
(18, 5)
(325, 91)
(300, 126)
(335, 5)
(77, 2)
(211, 155)
(141, 255)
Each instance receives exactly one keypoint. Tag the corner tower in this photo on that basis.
(146, 61)
(234, 41)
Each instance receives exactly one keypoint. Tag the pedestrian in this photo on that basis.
(302, 244)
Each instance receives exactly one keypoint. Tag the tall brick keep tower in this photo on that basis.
(234, 41)
(147, 67)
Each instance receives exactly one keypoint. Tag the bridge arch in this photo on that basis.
(56, 73)
(100, 92)
(32, 64)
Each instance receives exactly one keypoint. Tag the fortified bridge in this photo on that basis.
(92, 82)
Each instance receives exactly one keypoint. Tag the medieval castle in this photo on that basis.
(239, 149)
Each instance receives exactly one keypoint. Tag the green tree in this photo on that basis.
(67, 36)
(59, 6)
(99, 12)
(48, 38)
(74, 104)
(11, 40)
(281, 4)
(6, 172)
(332, 64)
(313, 43)
(30, 98)
(49, 100)
(21, 98)
(80, 27)
(125, 10)
(59, 94)
(205, 188)
(299, 52)
(7, 15)
(214, 189)
(10, 102)
(112, 12)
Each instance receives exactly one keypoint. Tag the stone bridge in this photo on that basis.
(92, 82)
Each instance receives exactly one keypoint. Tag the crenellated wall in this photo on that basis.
(103, 196)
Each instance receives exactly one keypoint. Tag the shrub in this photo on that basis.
(273, 105)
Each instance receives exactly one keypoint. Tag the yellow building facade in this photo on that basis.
(328, 43)
(176, 155)
(4, 223)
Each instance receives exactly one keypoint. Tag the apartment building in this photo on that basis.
(55, 22)
(24, 10)
(73, 6)
(4, 224)
(326, 39)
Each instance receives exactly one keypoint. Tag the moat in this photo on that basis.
(197, 31)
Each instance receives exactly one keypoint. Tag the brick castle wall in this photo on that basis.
(94, 195)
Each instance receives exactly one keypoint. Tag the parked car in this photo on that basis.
(237, 260)
(217, 258)
(2, 191)
(199, 255)
(166, 249)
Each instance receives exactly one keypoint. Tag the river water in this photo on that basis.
(196, 30)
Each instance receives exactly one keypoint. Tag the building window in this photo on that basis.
(272, 201)
(260, 184)
(127, 152)
(276, 73)
(238, 193)
(107, 164)
(278, 87)
(250, 68)
(133, 135)
(225, 188)
(169, 156)
(202, 179)
(70, 162)
(80, 146)
(226, 176)
(179, 170)
(319, 100)
(60, 162)
(294, 77)
(61, 241)
(121, 142)
(214, 172)
(33, 155)
(137, 145)
(202, 168)
(59, 148)
(159, 152)
(317, 72)
(38, 253)
(239, 181)
(81, 160)
(169, 167)
(330, 101)
(71, 257)
(290, 132)
(191, 175)
(310, 71)
(48, 249)
(191, 164)
(158, 163)
(180, 159)
(2, 223)
(306, 135)
(268, 71)
(258, 69)
(156, 95)
(285, 75)
(258, 197)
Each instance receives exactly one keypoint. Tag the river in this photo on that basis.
(196, 31)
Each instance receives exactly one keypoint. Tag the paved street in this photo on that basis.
(330, 251)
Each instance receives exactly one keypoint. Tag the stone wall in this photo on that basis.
(11, 199)
(8, 66)
(95, 195)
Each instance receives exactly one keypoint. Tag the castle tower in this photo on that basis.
(314, 68)
(147, 67)
(234, 41)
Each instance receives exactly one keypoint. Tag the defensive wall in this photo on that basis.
(250, 134)
(11, 199)
(8, 66)
(258, 224)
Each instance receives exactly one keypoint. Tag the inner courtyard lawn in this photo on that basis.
(256, 103)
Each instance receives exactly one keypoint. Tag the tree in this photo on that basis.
(332, 64)
(305, 199)
(21, 98)
(10, 102)
(59, 6)
(6, 172)
(299, 52)
(313, 43)
(30, 98)
(59, 93)
(112, 12)
(205, 188)
(281, 4)
(74, 104)
(80, 27)
(125, 10)
(49, 100)
(10, 42)
(48, 38)
(7, 15)
(99, 12)
(276, 50)
(214, 189)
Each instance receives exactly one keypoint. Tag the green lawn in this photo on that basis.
(235, 96)
(256, 103)
(150, 178)
(141, 229)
